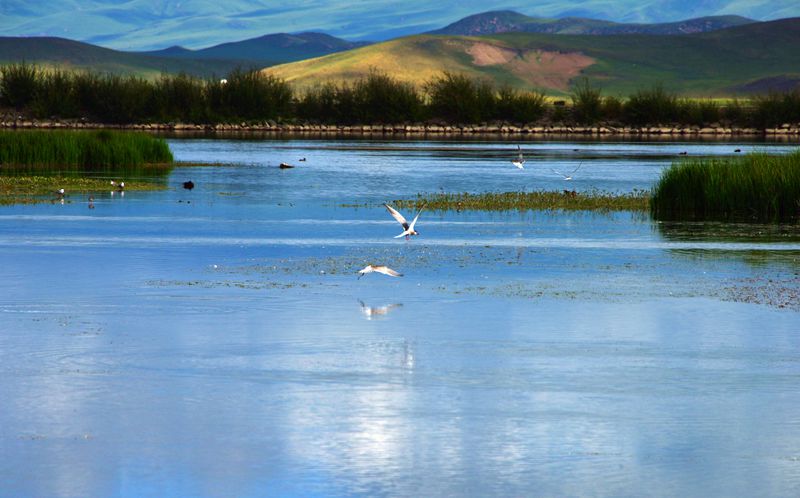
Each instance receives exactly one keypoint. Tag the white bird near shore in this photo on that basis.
(379, 269)
(520, 160)
(569, 176)
(408, 230)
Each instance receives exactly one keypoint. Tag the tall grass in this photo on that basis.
(755, 187)
(377, 98)
(83, 152)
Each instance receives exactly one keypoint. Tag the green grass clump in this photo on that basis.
(48, 152)
(508, 201)
(755, 187)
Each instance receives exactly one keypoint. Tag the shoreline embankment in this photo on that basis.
(785, 130)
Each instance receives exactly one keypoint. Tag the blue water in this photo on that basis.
(216, 342)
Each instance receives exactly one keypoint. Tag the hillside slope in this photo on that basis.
(706, 64)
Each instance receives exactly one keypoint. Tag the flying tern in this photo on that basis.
(380, 269)
(408, 230)
(569, 176)
(520, 160)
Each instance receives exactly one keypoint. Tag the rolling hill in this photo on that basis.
(717, 63)
(512, 22)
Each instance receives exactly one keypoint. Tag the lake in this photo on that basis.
(217, 342)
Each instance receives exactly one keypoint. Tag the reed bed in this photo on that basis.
(49, 152)
(755, 187)
(567, 200)
(251, 96)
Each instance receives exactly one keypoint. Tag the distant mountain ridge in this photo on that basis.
(71, 54)
(276, 48)
(258, 52)
(506, 21)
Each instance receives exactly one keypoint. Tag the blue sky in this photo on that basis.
(147, 24)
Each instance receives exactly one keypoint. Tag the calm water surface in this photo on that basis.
(217, 342)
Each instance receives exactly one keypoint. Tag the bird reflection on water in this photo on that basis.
(371, 312)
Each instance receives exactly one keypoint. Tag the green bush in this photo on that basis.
(587, 102)
(457, 99)
(698, 112)
(519, 107)
(55, 96)
(653, 106)
(18, 84)
(775, 109)
(180, 97)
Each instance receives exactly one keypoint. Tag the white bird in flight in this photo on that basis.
(408, 230)
(380, 269)
(520, 161)
(569, 176)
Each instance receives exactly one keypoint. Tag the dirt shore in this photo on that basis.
(417, 129)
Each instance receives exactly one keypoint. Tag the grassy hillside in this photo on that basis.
(69, 54)
(707, 64)
(513, 22)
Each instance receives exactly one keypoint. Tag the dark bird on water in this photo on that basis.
(285, 166)
(188, 185)
(738, 150)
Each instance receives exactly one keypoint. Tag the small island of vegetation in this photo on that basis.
(40, 162)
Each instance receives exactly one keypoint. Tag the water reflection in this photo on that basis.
(555, 354)
(713, 231)
(371, 312)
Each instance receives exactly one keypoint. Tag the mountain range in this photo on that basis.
(720, 56)
(154, 24)
(506, 21)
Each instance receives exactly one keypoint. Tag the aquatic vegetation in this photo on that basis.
(505, 201)
(70, 153)
(36, 189)
(754, 187)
